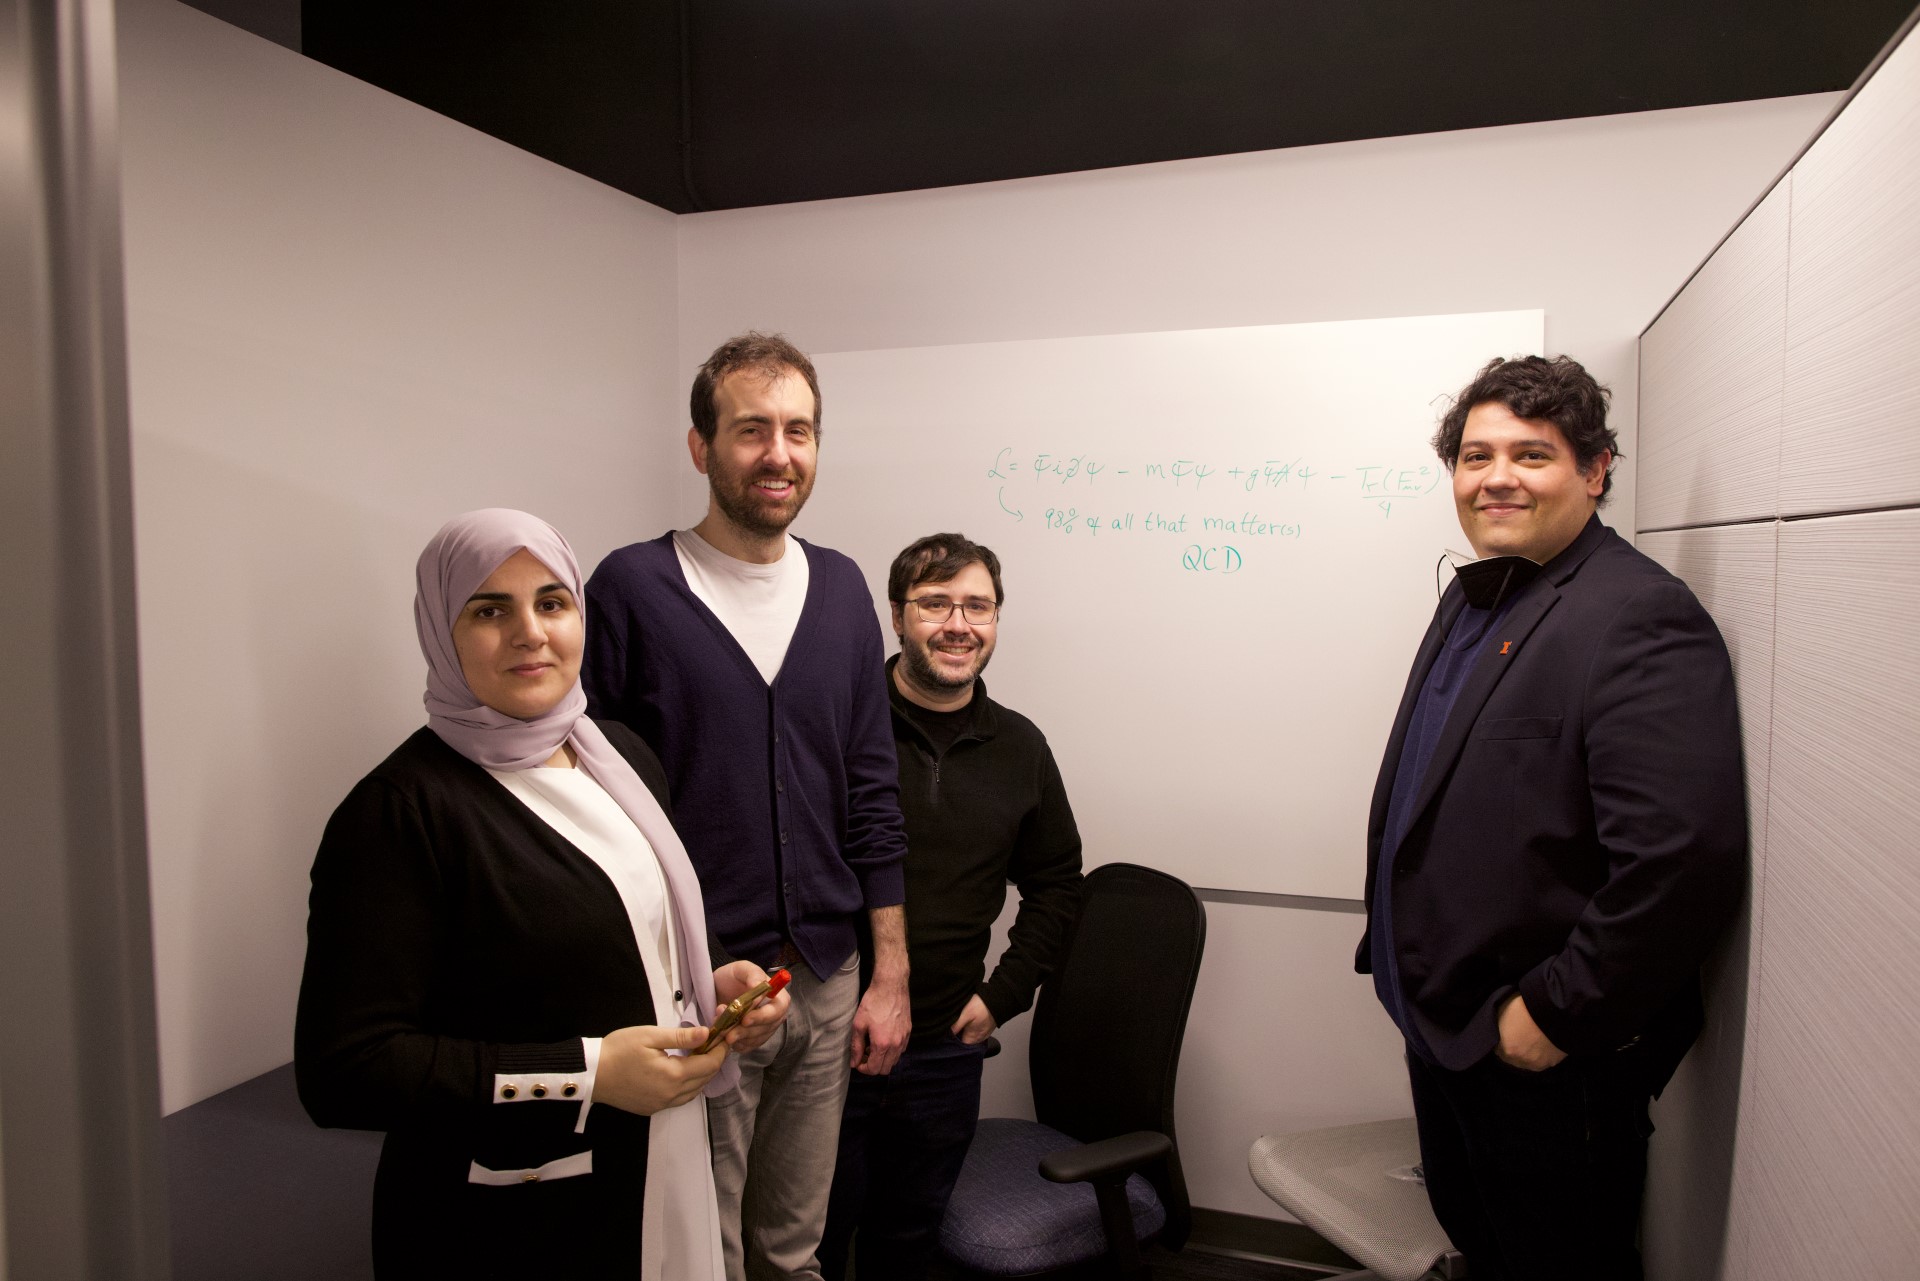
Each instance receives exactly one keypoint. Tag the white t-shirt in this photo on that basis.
(760, 604)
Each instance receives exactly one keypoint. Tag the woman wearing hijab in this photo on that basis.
(508, 966)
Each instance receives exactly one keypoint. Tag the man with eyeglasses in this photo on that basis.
(984, 805)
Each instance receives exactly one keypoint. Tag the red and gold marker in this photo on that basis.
(733, 1011)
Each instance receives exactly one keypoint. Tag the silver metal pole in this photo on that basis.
(79, 1108)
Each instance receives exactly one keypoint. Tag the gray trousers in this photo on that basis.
(775, 1139)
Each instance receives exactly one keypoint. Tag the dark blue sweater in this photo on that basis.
(786, 795)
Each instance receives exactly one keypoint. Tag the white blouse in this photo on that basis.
(681, 1223)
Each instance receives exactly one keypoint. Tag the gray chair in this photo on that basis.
(1349, 1184)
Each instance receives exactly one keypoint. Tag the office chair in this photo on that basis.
(1103, 1056)
(1349, 1183)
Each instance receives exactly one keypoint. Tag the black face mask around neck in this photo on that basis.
(1490, 581)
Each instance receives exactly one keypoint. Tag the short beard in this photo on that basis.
(921, 672)
(741, 511)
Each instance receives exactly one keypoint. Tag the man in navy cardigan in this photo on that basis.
(1558, 836)
(752, 664)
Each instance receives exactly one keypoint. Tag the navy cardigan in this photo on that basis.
(786, 794)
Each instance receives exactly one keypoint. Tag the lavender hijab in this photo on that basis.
(455, 563)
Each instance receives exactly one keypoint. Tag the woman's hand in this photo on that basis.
(636, 1074)
(730, 981)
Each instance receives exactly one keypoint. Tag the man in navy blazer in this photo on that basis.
(1558, 836)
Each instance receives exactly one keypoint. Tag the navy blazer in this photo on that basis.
(1581, 833)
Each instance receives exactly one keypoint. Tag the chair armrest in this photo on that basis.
(1109, 1158)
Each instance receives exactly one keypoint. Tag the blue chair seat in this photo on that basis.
(1006, 1220)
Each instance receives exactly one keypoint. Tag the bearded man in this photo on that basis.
(751, 662)
(984, 805)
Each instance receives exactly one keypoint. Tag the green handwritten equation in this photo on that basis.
(1085, 495)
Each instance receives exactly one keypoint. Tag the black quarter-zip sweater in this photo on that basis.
(987, 809)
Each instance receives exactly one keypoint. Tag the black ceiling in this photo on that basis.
(784, 100)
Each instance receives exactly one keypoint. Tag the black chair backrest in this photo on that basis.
(1107, 1031)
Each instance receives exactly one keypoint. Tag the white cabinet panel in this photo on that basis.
(1731, 570)
(1829, 1158)
(1710, 375)
(1690, 1170)
(1852, 416)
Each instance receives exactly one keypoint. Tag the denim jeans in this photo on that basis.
(903, 1139)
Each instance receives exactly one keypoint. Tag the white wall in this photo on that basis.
(349, 319)
(1596, 221)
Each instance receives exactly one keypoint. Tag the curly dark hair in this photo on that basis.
(770, 354)
(936, 559)
(1559, 390)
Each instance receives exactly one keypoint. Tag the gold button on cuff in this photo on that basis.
(509, 1091)
(531, 1176)
(569, 1089)
(539, 1091)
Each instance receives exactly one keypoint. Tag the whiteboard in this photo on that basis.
(1219, 551)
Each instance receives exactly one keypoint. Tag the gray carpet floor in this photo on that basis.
(256, 1191)
(1190, 1264)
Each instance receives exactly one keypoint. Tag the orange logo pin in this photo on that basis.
(1505, 646)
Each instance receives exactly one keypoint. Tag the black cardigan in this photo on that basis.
(453, 934)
